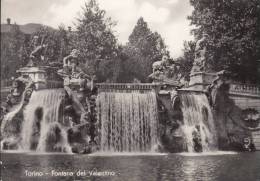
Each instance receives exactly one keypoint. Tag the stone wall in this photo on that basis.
(256, 139)
(232, 128)
(245, 96)
(245, 102)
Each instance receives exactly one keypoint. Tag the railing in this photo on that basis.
(51, 84)
(245, 89)
(127, 86)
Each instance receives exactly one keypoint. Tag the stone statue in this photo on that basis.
(166, 71)
(216, 85)
(199, 64)
(37, 55)
(70, 62)
(197, 145)
(71, 67)
(72, 73)
(160, 65)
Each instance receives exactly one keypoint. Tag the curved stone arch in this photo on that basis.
(176, 102)
(205, 114)
(177, 106)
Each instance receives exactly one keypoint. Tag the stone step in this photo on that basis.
(257, 146)
(256, 139)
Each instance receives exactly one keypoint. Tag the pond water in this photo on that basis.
(135, 167)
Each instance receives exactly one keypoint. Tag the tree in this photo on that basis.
(95, 40)
(49, 37)
(143, 49)
(233, 31)
(65, 43)
(186, 61)
(16, 48)
(149, 43)
(59, 43)
(11, 51)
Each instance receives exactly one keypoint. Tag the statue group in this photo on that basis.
(71, 66)
(166, 71)
(70, 63)
(200, 63)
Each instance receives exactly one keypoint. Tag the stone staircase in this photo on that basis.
(256, 139)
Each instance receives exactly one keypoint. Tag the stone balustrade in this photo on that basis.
(245, 96)
(245, 89)
(127, 86)
(52, 84)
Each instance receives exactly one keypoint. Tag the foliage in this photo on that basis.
(12, 54)
(186, 61)
(143, 49)
(65, 42)
(17, 46)
(53, 41)
(233, 31)
(95, 40)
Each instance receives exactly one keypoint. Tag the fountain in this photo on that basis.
(198, 127)
(59, 109)
(44, 128)
(128, 121)
(47, 115)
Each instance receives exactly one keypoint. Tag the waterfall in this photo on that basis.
(9, 116)
(198, 128)
(128, 121)
(42, 128)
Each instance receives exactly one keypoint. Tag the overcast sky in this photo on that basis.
(168, 17)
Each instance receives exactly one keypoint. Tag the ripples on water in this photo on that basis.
(127, 154)
(223, 166)
(208, 153)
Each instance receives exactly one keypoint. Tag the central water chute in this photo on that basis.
(128, 121)
(42, 129)
(198, 123)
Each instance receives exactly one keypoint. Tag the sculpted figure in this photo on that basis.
(71, 71)
(38, 53)
(199, 64)
(160, 65)
(70, 62)
(166, 71)
(216, 86)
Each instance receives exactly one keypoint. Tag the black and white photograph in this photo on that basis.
(130, 90)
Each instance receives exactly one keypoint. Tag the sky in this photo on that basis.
(167, 17)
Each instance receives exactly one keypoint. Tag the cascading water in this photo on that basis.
(128, 120)
(198, 128)
(9, 116)
(42, 129)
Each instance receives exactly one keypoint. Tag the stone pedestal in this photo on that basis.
(37, 75)
(200, 80)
